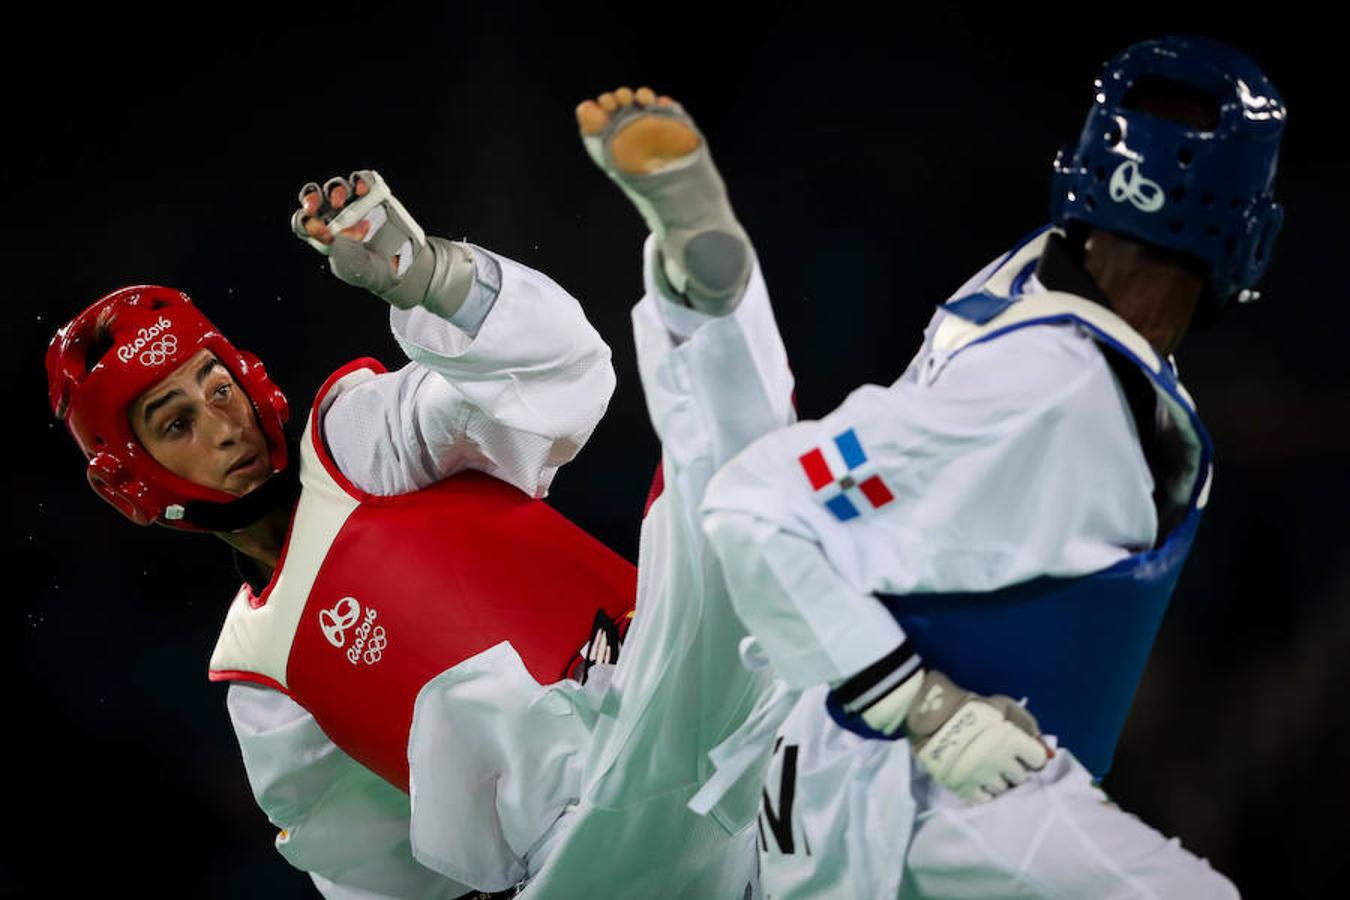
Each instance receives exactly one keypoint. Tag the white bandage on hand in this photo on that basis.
(977, 747)
(395, 260)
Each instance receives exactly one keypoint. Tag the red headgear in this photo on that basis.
(153, 330)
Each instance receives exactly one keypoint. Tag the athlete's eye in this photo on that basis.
(223, 390)
(176, 426)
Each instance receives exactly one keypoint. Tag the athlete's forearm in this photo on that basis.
(814, 626)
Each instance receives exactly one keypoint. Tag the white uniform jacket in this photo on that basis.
(512, 386)
(621, 755)
(981, 458)
(1002, 454)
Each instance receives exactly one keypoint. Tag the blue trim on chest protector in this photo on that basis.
(981, 307)
(1074, 647)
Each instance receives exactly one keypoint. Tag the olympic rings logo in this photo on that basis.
(375, 649)
(160, 351)
(1127, 183)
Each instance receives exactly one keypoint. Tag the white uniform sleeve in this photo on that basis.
(512, 386)
(338, 821)
(1014, 459)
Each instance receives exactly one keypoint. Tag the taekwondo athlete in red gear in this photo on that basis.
(399, 539)
(1006, 520)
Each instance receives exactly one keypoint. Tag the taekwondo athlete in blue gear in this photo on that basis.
(1020, 502)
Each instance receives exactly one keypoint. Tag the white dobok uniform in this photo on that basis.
(981, 451)
(621, 755)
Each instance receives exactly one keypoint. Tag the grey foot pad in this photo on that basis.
(721, 260)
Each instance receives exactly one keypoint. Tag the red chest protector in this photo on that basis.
(374, 596)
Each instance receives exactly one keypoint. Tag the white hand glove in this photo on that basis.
(975, 746)
(372, 242)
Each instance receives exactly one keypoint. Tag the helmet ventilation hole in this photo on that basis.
(1184, 156)
(1207, 198)
(1175, 226)
(1090, 203)
(1178, 193)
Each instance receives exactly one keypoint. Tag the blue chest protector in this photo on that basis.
(1074, 647)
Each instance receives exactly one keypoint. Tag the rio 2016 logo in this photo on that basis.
(1128, 183)
(369, 640)
(156, 353)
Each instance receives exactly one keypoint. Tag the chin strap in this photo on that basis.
(282, 489)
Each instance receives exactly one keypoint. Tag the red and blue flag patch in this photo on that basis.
(843, 478)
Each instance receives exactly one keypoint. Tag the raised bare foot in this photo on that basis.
(651, 148)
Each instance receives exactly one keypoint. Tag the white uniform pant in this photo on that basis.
(847, 817)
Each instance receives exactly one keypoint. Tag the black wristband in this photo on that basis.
(877, 680)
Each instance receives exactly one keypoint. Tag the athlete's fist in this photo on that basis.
(369, 238)
(977, 747)
(320, 206)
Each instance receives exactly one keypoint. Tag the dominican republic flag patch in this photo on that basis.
(843, 478)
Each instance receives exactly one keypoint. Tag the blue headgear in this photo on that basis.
(1208, 194)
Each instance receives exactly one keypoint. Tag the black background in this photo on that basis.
(876, 162)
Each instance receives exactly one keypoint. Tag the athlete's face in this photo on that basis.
(199, 424)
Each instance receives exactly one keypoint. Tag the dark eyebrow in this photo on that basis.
(206, 369)
(153, 406)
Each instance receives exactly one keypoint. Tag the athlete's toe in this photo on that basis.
(645, 96)
(608, 102)
(591, 119)
(624, 95)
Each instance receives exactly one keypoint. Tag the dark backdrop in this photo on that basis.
(875, 164)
